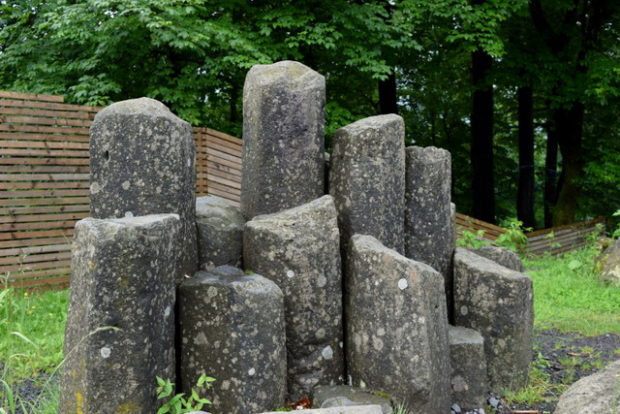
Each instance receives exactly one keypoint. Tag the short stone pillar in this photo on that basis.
(220, 232)
(397, 327)
(120, 325)
(367, 179)
(501, 256)
(498, 303)
(469, 368)
(142, 162)
(283, 141)
(429, 229)
(299, 250)
(232, 329)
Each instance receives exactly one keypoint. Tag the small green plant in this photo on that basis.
(514, 238)
(470, 239)
(178, 404)
(401, 408)
(539, 388)
(616, 233)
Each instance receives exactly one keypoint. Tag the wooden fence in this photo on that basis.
(44, 187)
(44, 182)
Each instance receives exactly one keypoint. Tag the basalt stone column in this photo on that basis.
(501, 256)
(220, 232)
(232, 328)
(120, 326)
(498, 303)
(283, 142)
(429, 230)
(367, 179)
(142, 162)
(469, 368)
(397, 327)
(299, 250)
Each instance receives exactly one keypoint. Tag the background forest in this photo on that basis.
(524, 93)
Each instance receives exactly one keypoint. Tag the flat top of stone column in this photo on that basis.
(213, 206)
(461, 335)
(364, 243)
(230, 277)
(138, 221)
(380, 136)
(135, 107)
(486, 266)
(287, 72)
(285, 217)
(428, 155)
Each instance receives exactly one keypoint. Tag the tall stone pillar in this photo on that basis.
(367, 179)
(283, 142)
(120, 326)
(299, 250)
(142, 162)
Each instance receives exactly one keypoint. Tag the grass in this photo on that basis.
(31, 340)
(569, 297)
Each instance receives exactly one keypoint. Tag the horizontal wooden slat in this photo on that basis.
(40, 185)
(34, 234)
(50, 105)
(43, 144)
(225, 188)
(54, 130)
(25, 267)
(223, 181)
(44, 121)
(22, 284)
(13, 169)
(31, 96)
(14, 211)
(43, 137)
(9, 244)
(43, 177)
(34, 258)
(43, 153)
(43, 193)
(11, 110)
(225, 195)
(58, 271)
(44, 161)
(38, 226)
(214, 159)
(43, 201)
(224, 156)
(223, 136)
(589, 223)
(31, 218)
(19, 251)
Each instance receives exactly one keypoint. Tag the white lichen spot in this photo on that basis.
(167, 311)
(402, 284)
(94, 188)
(362, 384)
(464, 310)
(320, 333)
(128, 214)
(321, 281)
(290, 273)
(105, 352)
(341, 345)
(380, 331)
(251, 372)
(189, 162)
(126, 185)
(225, 385)
(327, 353)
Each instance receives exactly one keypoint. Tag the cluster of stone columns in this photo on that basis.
(307, 284)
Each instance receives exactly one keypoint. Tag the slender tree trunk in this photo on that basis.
(525, 191)
(569, 124)
(551, 173)
(234, 97)
(482, 185)
(388, 98)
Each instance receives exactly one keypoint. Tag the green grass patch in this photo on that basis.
(569, 297)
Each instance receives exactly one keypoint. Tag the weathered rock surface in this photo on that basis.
(367, 179)
(595, 394)
(397, 327)
(498, 303)
(360, 409)
(429, 230)
(220, 232)
(299, 250)
(469, 368)
(232, 328)
(283, 142)
(608, 264)
(142, 162)
(502, 256)
(120, 325)
(344, 396)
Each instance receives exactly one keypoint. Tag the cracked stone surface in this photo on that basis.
(283, 140)
(397, 327)
(142, 162)
(120, 325)
(232, 329)
(299, 250)
(498, 303)
(367, 179)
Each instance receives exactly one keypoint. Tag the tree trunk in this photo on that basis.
(569, 125)
(525, 191)
(388, 98)
(482, 185)
(551, 173)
